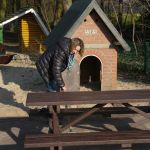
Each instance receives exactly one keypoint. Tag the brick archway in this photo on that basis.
(90, 72)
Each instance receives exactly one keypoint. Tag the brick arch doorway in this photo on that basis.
(90, 73)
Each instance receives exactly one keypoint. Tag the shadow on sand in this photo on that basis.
(22, 78)
(26, 77)
(13, 131)
(7, 98)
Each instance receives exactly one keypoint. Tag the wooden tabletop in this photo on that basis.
(92, 97)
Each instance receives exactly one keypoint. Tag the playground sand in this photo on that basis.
(20, 77)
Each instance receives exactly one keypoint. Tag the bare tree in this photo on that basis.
(120, 13)
(3, 4)
(133, 25)
(52, 10)
(66, 5)
(116, 16)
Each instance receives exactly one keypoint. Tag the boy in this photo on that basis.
(56, 59)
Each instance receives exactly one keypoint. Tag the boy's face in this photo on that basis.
(76, 50)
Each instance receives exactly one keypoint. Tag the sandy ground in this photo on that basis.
(17, 79)
(13, 130)
(20, 77)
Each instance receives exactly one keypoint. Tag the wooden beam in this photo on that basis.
(82, 116)
(134, 108)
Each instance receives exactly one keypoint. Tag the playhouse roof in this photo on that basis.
(23, 12)
(75, 16)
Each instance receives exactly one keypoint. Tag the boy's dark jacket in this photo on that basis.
(54, 61)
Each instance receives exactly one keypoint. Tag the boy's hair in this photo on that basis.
(77, 42)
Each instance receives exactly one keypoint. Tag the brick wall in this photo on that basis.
(93, 32)
(108, 59)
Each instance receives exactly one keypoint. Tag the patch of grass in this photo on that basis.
(129, 62)
(132, 65)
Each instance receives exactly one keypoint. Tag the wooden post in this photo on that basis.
(146, 55)
(51, 148)
(60, 148)
(55, 121)
(126, 146)
(56, 148)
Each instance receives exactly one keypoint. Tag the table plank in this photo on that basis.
(94, 97)
(74, 139)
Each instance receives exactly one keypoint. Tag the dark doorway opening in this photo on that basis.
(90, 69)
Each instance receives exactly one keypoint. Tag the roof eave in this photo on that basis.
(31, 10)
(80, 20)
(94, 5)
(43, 27)
(110, 26)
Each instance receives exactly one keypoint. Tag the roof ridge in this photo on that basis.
(76, 14)
(21, 13)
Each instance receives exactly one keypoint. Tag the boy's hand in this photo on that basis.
(63, 89)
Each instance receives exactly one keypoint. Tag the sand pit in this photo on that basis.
(20, 77)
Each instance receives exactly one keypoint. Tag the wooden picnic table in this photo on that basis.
(54, 99)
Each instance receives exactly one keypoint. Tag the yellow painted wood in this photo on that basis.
(31, 35)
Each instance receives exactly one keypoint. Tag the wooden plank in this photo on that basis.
(82, 116)
(95, 97)
(126, 146)
(102, 133)
(60, 147)
(138, 111)
(104, 110)
(51, 147)
(55, 121)
(75, 139)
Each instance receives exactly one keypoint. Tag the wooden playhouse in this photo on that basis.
(31, 30)
(86, 20)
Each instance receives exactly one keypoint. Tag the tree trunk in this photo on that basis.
(116, 16)
(17, 5)
(51, 11)
(120, 14)
(66, 5)
(133, 28)
(3, 4)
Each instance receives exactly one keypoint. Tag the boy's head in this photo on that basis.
(77, 46)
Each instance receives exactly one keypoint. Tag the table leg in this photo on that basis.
(60, 148)
(56, 148)
(50, 125)
(126, 146)
(50, 120)
(53, 120)
(54, 123)
(51, 148)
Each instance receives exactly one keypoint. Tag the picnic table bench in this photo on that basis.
(59, 139)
